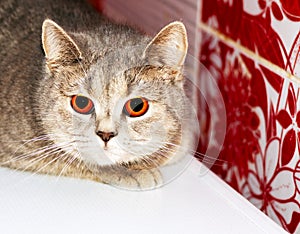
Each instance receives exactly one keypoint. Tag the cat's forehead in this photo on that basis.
(105, 81)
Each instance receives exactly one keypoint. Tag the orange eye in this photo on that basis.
(136, 107)
(82, 104)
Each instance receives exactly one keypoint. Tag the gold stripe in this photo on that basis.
(249, 53)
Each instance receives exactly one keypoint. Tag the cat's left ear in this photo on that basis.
(168, 47)
(59, 47)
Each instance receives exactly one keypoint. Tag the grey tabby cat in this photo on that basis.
(88, 98)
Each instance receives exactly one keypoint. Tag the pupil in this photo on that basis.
(81, 102)
(136, 104)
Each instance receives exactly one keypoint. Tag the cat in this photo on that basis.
(84, 97)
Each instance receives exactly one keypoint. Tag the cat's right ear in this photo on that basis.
(168, 47)
(59, 47)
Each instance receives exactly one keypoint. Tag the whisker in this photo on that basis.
(215, 162)
(29, 163)
(48, 149)
(40, 158)
(40, 150)
(21, 157)
(40, 169)
(201, 156)
(70, 160)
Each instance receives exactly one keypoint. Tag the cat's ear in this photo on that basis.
(168, 47)
(58, 46)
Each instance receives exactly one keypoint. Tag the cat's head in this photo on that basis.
(113, 98)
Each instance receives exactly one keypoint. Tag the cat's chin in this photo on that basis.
(109, 155)
(117, 155)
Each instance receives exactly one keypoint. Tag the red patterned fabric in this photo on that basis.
(262, 142)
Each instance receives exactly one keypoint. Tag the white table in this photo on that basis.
(190, 204)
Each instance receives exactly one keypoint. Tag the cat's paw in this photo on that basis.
(138, 179)
(148, 179)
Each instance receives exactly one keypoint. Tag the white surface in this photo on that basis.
(190, 204)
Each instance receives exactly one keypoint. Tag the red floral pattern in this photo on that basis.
(262, 143)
